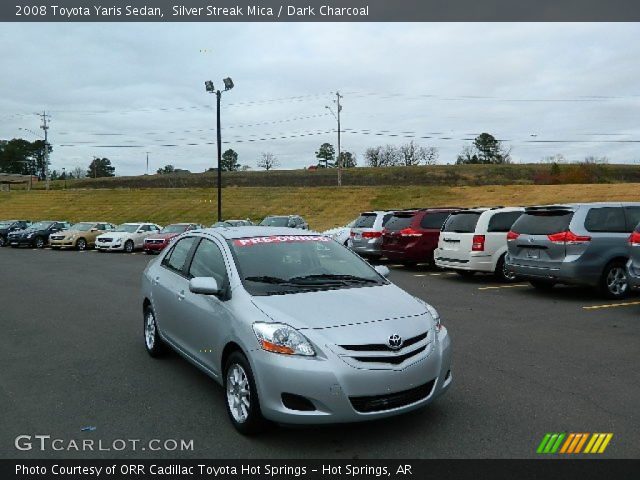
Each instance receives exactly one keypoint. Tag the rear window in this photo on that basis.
(399, 222)
(543, 223)
(606, 219)
(464, 222)
(633, 217)
(366, 220)
(502, 222)
(434, 220)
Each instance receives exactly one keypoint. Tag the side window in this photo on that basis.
(386, 218)
(145, 228)
(606, 219)
(502, 222)
(101, 226)
(434, 220)
(208, 262)
(177, 257)
(633, 217)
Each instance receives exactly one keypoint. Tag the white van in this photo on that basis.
(475, 240)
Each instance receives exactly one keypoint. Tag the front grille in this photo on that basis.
(105, 240)
(383, 347)
(379, 403)
(393, 360)
(57, 238)
(154, 242)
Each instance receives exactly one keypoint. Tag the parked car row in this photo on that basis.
(591, 244)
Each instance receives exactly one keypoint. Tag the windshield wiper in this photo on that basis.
(268, 279)
(331, 277)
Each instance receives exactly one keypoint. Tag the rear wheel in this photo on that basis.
(615, 282)
(503, 273)
(243, 405)
(542, 284)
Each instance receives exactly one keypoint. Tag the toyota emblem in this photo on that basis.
(395, 341)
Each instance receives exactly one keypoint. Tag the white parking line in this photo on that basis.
(611, 305)
(502, 286)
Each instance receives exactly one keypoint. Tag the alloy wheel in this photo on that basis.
(617, 282)
(238, 393)
(508, 274)
(81, 244)
(39, 242)
(150, 330)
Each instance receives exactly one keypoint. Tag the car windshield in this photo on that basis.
(127, 227)
(174, 229)
(278, 265)
(275, 222)
(461, 222)
(82, 227)
(41, 225)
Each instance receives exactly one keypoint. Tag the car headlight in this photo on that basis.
(281, 338)
(30, 235)
(433, 312)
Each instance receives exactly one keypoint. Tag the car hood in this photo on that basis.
(343, 307)
(162, 236)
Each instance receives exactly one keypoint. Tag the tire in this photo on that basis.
(542, 284)
(81, 244)
(243, 409)
(152, 341)
(129, 247)
(502, 273)
(39, 242)
(465, 273)
(3, 241)
(614, 283)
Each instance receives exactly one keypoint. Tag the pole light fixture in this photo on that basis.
(228, 85)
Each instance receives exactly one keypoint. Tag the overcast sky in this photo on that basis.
(120, 90)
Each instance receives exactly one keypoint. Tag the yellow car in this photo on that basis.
(80, 236)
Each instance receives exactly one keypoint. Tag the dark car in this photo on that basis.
(36, 235)
(411, 236)
(8, 226)
(291, 221)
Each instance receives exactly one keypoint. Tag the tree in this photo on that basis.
(166, 169)
(389, 156)
(348, 160)
(78, 172)
(430, 156)
(486, 149)
(593, 160)
(327, 154)
(101, 167)
(412, 154)
(268, 161)
(229, 161)
(23, 157)
(372, 156)
(54, 175)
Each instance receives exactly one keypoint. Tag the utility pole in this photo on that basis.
(94, 167)
(338, 97)
(45, 127)
(219, 143)
(147, 164)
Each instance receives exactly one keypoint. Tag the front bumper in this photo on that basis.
(62, 243)
(114, 246)
(633, 273)
(21, 241)
(154, 247)
(343, 393)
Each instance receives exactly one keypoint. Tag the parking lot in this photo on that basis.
(526, 362)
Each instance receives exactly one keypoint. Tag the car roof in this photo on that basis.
(255, 231)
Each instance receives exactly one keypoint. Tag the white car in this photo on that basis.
(126, 237)
(475, 240)
(341, 234)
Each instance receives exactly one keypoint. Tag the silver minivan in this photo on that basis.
(366, 233)
(579, 244)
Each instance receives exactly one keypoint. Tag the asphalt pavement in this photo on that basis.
(525, 363)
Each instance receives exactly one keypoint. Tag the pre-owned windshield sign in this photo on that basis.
(247, 242)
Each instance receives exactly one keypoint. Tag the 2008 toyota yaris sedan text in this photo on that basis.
(297, 328)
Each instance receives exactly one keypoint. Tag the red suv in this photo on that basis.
(410, 237)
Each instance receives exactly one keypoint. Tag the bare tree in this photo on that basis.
(430, 155)
(390, 156)
(268, 161)
(78, 172)
(594, 160)
(408, 154)
(372, 157)
(557, 158)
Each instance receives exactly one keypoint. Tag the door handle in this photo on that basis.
(181, 295)
(156, 280)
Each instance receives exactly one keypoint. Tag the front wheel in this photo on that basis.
(3, 241)
(503, 273)
(152, 341)
(615, 282)
(81, 244)
(40, 242)
(128, 246)
(243, 405)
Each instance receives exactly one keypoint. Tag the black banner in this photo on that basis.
(322, 469)
(320, 11)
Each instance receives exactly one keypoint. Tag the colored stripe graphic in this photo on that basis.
(573, 443)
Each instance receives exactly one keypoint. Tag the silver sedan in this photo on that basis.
(296, 328)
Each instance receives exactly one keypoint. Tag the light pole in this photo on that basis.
(337, 117)
(228, 85)
(64, 174)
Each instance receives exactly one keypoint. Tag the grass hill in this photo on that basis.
(323, 207)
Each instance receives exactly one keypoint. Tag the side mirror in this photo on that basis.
(382, 270)
(204, 286)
